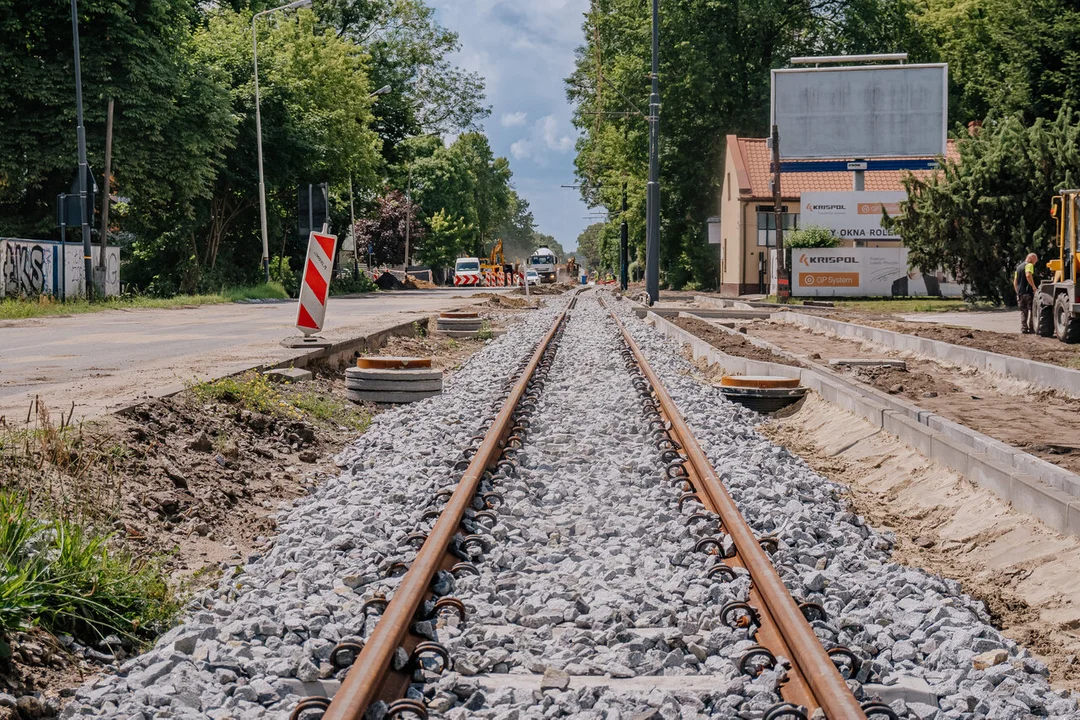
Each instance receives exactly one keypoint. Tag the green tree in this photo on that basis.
(447, 239)
(172, 122)
(316, 124)
(983, 213)
(812, 236)
(1006, 57)
(715, 68)
(411, 52)
(589, 246)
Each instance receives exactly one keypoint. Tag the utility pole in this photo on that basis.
(352, 230)
(84, 170)
(782, 288)
(624, 245)
(652, 197)
(408, 219)
(105, 195)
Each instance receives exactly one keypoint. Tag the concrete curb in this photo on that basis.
(1029, 484)
(1040, 374)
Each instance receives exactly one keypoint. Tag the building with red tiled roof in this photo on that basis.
(747, 220)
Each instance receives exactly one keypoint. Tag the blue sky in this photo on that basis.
(524, 49)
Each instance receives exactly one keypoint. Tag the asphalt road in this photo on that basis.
(106, 360)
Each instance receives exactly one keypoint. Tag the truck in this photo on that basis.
(544, 262)
(1057, 307)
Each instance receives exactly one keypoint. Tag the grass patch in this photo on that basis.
(15, 309)
(64, 578)
(254, 391)
(263, 291)
(485, 332)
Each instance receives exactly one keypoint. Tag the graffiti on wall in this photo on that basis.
(24, 269)
(29, 268)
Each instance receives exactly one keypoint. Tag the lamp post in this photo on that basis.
(352, 206)
(258, 129)
(652, 197)
(84, 201)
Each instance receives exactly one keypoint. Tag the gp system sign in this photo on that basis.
(863, 272)
(851, 215)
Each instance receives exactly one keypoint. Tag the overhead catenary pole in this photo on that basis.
(652, 197)
(84, 200)
(258, 131)
(408, 219)
(104, 239)
(778, 215)
(624, 245)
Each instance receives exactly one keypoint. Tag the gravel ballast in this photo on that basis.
(591, 601)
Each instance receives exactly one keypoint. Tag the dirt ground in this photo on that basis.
(1042, 423)
(192, 481)
(1030, 347)
(1027, 575)
(730, 344)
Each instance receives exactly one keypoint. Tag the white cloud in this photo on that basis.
(549, 127)
(514, 119)
(521, 149)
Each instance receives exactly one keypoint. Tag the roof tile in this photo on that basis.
(756, 155)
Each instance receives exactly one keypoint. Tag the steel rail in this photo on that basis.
(374, 675)
(813, 679)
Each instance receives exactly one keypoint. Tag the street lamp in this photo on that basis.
(352, 207)
(258, 130)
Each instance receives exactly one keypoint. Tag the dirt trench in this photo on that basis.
(1027, 575)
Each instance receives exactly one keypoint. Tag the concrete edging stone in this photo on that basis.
(988, 463)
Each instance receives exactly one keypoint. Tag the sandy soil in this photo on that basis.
(1039, 422)
(1027, 575)
(730, 344)
(1029, 347)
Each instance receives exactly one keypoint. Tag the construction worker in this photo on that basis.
(1024, 285)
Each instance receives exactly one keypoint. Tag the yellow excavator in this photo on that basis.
(1057, 307)
(495, 262)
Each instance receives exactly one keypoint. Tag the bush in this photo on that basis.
(347, 283)
(813, 236)
(281, 272)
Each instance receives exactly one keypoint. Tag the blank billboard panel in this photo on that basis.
(861, 112)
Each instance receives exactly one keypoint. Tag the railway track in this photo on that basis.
(560, 544)
(380, 678)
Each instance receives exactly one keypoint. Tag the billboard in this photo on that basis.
(861, 112)
(851, 215)
(863, 272)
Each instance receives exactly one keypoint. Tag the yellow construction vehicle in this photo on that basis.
(1057, 307)
(494, 264)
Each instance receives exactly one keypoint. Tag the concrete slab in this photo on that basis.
(288, 374)
(909, 431)
(1048, 504)
(306, 342)
(404, 374)
(951, 454)
(389, 397)
(394, 385)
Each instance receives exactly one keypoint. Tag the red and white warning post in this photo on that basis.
(315, 288)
